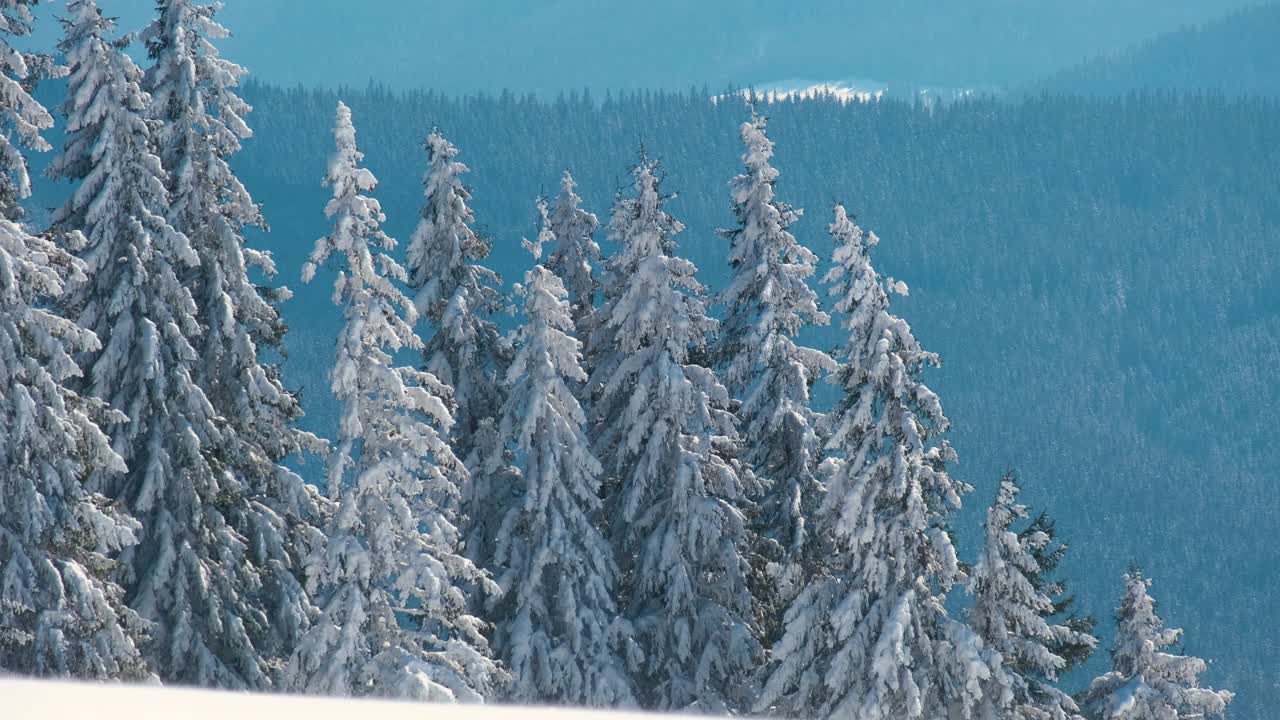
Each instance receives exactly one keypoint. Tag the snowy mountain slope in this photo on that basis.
(41, 700)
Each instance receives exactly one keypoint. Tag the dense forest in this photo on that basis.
(597, 476)
(1097, 275)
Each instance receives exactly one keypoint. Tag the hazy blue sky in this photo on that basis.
(465, 45)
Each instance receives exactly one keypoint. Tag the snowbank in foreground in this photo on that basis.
(43, 700)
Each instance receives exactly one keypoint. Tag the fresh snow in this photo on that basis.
(45, 700)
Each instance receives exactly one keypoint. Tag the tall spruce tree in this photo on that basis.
(394, 619)
(1014, 603)
(1147, 683)
(61, 613)
(558, 629)
(193, 96)
(457, 296)
(575, 249)
(662, 429)
(767, 303)
(191, 573)
(869, 636)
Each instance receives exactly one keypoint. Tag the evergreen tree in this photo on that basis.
(662, 430)
(768, 301)
(1014, 603)
(1145, 682)
(61, 614)
(193, 96)
(1077, 646)
(24, 116)
(869, 637)
(457, 296)
(394, 619)
(575, 250)
(558, 627)
(191, 573)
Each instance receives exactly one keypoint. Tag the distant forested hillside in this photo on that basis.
(1238, 55)
(1098, 276)
(562, 44)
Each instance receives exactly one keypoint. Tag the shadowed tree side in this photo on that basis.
(191, 572)
(201, 125)
(663, 431)
(61, 612)
(558, 629)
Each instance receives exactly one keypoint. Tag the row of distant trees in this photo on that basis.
(627, 503)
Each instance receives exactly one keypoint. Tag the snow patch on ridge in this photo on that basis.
(851, 91)
(782, 91)
(856, 90)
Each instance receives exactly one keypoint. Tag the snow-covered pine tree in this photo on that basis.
(558, 630)
(457, 296)
(869, 637)
(61, 614)
(768, 302)
(1014, 603)
(190, 573)
(1145, 682)
(193, 96)
(24, 117)
(575, 248)
(393, 620)
(661, 429)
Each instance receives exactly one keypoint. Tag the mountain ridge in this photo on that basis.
(1238, 54)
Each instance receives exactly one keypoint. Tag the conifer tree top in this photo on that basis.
(1014, 603)
(445, 244)
(359, 217)
(1147, 682)
(457, 296)
(767, 303)
(652, 297)
(193, 91)
(575, 250)
(768, 299)
(663, 428)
